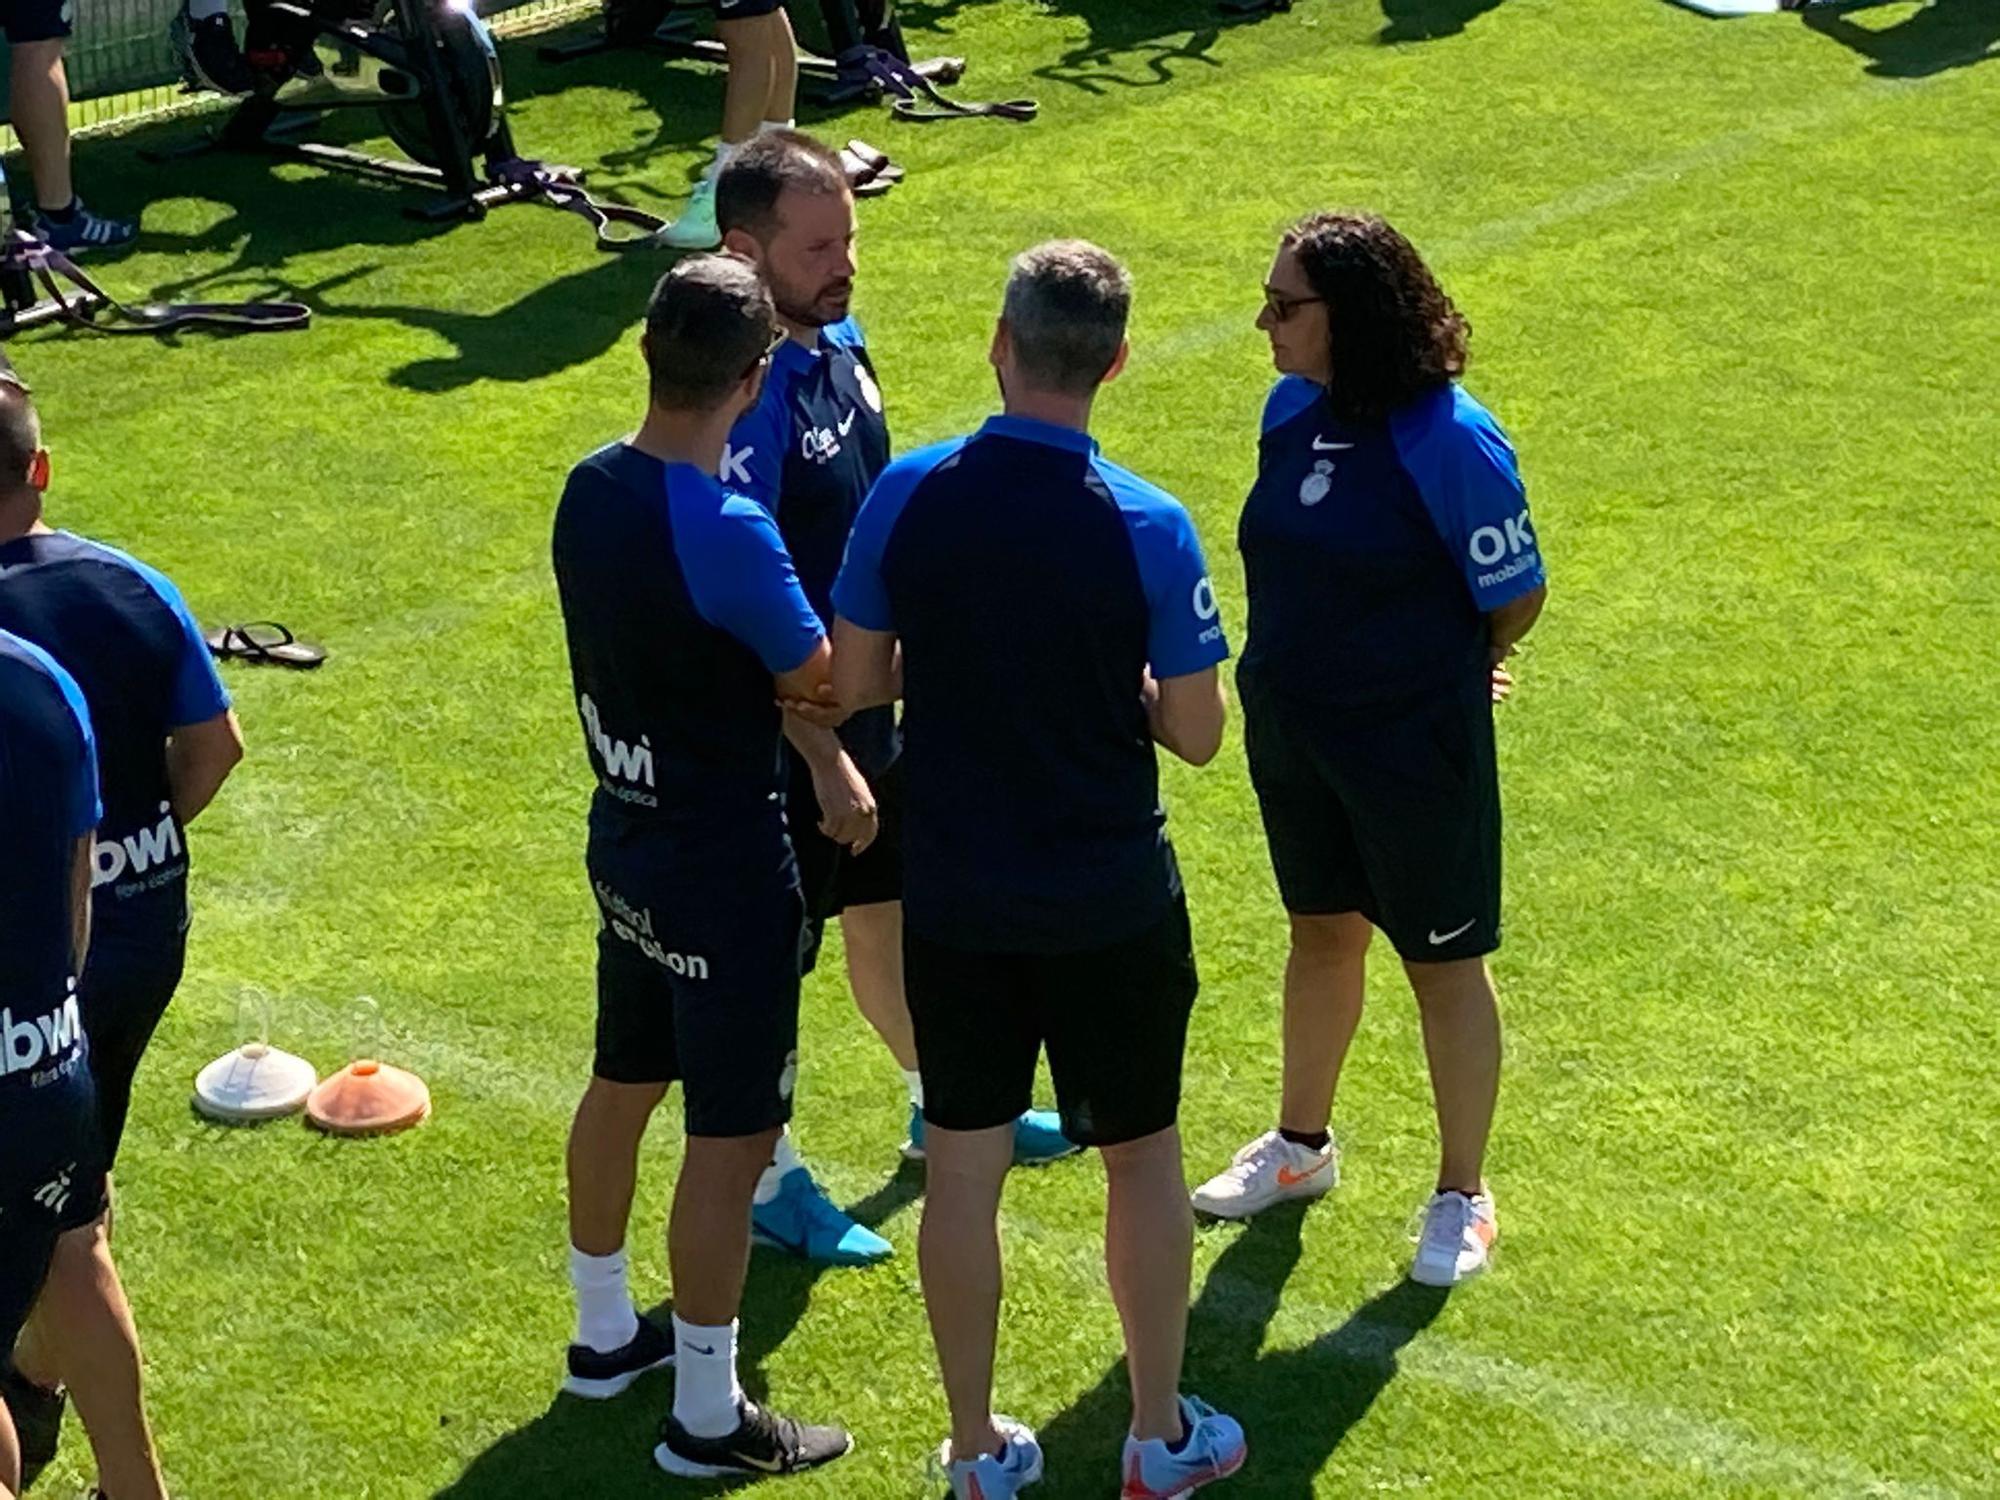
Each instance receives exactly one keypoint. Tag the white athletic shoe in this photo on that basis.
(1269, 1170)
(1456, 1242)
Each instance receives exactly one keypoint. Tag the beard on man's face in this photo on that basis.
(826, 303)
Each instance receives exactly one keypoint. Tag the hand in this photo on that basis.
(1503, 684)
(822, 710)
(847, 813)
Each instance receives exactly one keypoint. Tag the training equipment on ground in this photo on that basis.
(431, 70)
(1728, 9)
(255, 1082)
(870, 59)
(368, 1096)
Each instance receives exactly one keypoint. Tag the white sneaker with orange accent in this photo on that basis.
(1456, 1242)
(1268, 1171)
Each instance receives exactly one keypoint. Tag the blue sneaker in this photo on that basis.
(987, 1478)
(805, 1222)
(81, 231)
(1213, 1449)
(1038, 1138)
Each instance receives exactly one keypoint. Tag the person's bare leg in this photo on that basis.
(10, 1456)
(38, 102)
(604, 1142)
(752, 48)
(82, 1335)
(1325, 975)
(958, 1254)
(1149, 1255)
(708, 1237)
(782, 104)
(873, 937)
(1461, 1019)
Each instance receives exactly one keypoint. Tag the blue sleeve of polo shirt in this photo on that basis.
(1465, 469)
(82, 807)
(846, 334)
(1184, 625)
(198, 694)
(740, 576)
(859, 593)
(1290, 396)
(753, 460)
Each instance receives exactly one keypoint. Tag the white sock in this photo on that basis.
(915, 1082)
(201, 10)
(770, 125)
(725, 152)
(783, 1159)
(707, 1400)
(604, 1317)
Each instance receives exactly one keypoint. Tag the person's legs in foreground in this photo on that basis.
(10, 1457)
(760, 93)
(958, 1250)
(38, 101)
(82, 1334)
(1325, 984)
(1461, 1021)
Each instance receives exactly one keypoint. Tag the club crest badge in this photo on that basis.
(1319, 483)
(870, 392)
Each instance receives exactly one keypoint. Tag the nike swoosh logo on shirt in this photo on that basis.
(1320, 445)
(847, 426)
(1439, 942)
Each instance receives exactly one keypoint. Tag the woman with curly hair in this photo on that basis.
(1391, 569)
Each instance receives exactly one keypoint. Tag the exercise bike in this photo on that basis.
(430, 70)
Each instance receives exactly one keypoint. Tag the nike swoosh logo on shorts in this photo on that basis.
(1439, 942)
(1320, 445)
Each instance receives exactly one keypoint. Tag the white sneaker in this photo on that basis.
(1456, 1242)
(1269, 1170)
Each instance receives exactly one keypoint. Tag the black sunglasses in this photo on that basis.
(1281, 307)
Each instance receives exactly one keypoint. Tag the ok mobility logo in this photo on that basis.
(1514, 540)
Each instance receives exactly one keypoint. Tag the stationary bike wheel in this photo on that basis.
(468, 72)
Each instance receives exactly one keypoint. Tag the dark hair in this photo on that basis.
(747, 192)
(709, 321)
(1395, 334)
(20, 429)
(1066, 310)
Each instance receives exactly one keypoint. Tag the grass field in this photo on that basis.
(1736, 292)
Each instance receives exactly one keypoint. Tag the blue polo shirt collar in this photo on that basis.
(1029, 430)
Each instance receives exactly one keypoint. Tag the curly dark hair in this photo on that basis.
(1395, 334)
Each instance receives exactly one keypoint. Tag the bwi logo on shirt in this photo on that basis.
(138, 852)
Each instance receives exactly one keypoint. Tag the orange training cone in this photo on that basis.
(368, 1097)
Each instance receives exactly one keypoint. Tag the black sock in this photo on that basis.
(1312, 1140)
(59, 215)
(1179, 1445)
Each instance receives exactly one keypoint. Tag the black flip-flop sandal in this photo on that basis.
(877, 159)
(864, 178)
(264, 641)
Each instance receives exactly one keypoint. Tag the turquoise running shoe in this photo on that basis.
(803, 1221)
(1018, 1465)
(1038, 1138)
(696, 228)
(1213, 1449)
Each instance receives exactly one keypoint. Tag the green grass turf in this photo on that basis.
(1734, 294)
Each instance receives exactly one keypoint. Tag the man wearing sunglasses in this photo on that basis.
(685, 623)
(166, 741)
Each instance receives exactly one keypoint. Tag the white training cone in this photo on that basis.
(256, 1081)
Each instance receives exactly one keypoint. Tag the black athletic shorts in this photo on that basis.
(832, 878)
(1114, 1020)
(743, 10)
(49, 1160)
(36, 20)
(1393, 813)
(125, 990)
(698, 970)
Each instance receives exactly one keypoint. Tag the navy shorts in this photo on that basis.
(1114, 1020)
(834, 879)
(698, 970)
(36, 20)
(49, 1161)
(125, 990)
(1393, 813)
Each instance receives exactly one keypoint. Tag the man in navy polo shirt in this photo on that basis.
(48, 807)
(685, 623)
(166, 741)
(1047, 618)
(808, 451)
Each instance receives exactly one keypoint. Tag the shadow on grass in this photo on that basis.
(1429, 20)
(1943, 35)
(603, 1449)
(1297, 1405)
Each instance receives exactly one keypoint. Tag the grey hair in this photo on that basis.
(1066, 309)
